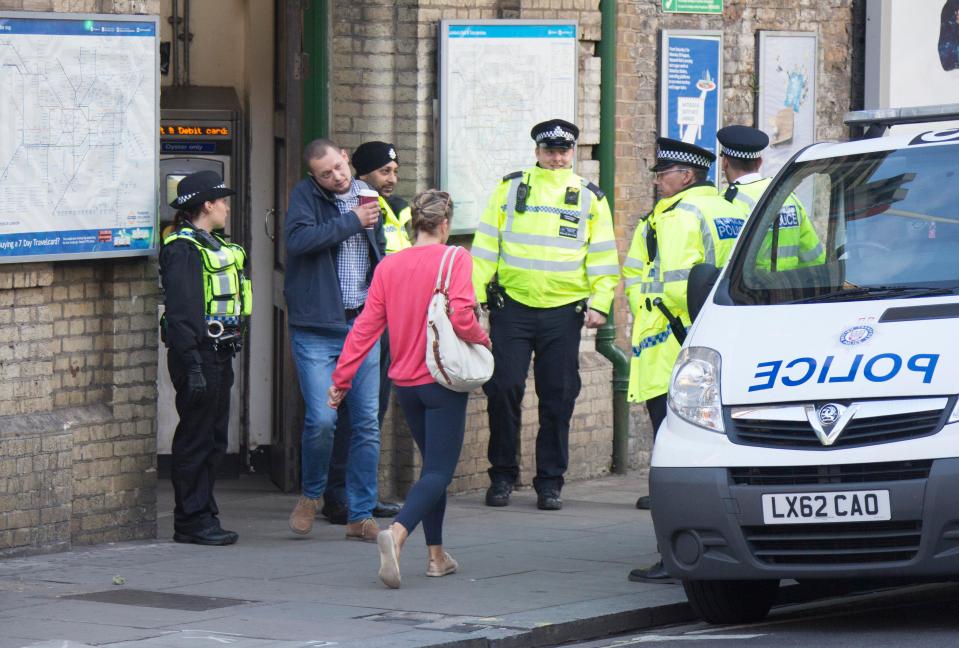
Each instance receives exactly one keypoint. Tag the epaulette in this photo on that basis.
(596, 190)
(514, 174)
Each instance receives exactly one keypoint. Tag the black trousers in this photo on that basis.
(200, 440)
(336, 474)
(551, 336)
(656, 407)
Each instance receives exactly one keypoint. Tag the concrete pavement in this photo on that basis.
(527, 578)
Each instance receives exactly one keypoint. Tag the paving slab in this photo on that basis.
(527, 577)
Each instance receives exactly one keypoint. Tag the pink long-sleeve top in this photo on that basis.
(398, 298)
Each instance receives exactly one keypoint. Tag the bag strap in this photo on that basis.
(439, 271)
(449, 269)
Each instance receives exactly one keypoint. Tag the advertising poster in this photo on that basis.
(787, 94)
(78, 136)
(912, 57)
(691, 88)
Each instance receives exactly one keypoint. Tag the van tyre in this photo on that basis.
(731, 601)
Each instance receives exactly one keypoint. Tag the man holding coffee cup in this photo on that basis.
(334, 239)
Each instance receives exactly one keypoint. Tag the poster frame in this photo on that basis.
(153, 248)
(664, 92)
(762, 54)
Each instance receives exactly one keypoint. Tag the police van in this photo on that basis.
(813, 427)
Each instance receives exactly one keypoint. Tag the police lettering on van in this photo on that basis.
(877, 368)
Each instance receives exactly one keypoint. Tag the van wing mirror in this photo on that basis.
(702, 278)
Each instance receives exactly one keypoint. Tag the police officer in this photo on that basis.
(376, 163)
(544, 261)
(207, 301)
(792, 242)
(689, 224)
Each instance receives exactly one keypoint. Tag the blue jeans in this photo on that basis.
(316, 352)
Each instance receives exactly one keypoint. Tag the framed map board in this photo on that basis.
(79, 117)
(497, 79)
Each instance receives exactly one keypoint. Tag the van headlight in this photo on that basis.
(694, 388)
(954, 417)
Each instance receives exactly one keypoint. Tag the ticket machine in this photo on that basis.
(201, 129)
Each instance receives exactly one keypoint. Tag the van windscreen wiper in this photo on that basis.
(874, 292)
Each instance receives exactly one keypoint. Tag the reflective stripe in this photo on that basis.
(709, 250)
(650, 341)
(511, 202)
(632, 281)
(741, 195)
(676, 275)
(595, 271)
(486, 228)
(537, 264)
(483, 253)
(602, 246)
(653, 287)
(545, 241)
(784, 251)
(811, 255)
(221, 284)
(585, 199)
(634, 263)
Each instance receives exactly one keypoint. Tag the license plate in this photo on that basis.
(809, 508)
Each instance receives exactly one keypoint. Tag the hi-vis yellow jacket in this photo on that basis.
(394, 227)
(227, 293)
(797, 244)
(694, 226)
(558, 250)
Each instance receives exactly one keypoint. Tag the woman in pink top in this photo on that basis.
(398, 299)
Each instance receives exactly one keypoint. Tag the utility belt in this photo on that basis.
(353, 313)
(497, 298)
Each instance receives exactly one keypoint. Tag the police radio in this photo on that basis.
(522, 193)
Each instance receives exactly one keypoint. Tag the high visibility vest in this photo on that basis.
(394, 227)
(547, 235)
(227, 292)
(797, 244)
(694, 226)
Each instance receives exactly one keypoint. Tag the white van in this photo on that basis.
(813, 427)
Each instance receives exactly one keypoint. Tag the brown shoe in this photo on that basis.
(303, 515)
(365, 530)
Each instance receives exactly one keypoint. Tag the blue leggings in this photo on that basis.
(437, 420)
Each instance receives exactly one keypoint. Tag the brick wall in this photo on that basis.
(77, 388)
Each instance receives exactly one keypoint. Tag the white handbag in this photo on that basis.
(454, 363)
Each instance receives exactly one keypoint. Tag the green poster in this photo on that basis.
(693, 6)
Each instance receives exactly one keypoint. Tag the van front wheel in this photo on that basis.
(731, 601)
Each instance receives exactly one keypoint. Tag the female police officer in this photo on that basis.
(208, 298)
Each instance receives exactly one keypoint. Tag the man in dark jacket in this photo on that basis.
(333, 244)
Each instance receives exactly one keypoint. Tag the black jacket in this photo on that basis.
(181, 271)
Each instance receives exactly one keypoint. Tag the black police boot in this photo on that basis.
(211, 536)
(498, 493)
(643, 503)
(549, 500)
(654, 574)
(386, 510)
(334, 511)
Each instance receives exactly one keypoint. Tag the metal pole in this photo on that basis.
(606, 153)
(187, 37)
(175, 42)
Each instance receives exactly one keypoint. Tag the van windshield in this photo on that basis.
(869, 226)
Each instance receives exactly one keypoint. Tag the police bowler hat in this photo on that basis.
(197, 188)
(555, 133)
(670, 152)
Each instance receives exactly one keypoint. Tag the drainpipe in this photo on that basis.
(606, 154)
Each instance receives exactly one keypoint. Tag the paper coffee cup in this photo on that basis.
(368, 196)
